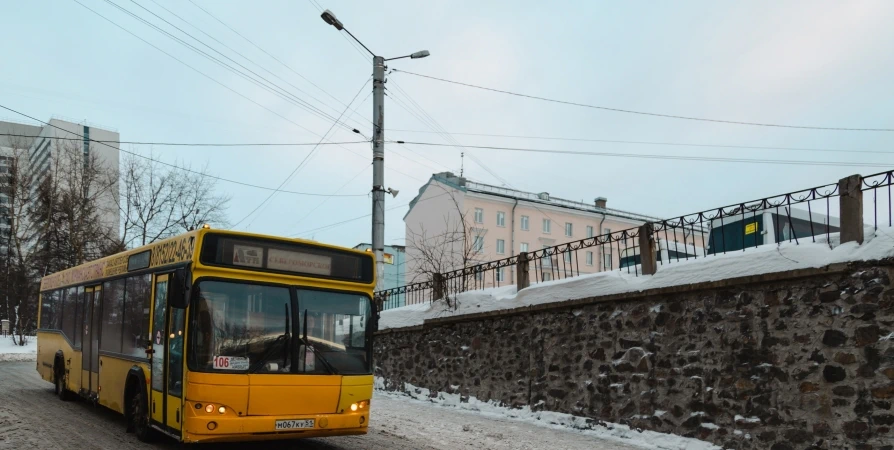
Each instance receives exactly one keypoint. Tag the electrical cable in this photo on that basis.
(627, 111)
(197, 70)
(669, 157)
(81, 137)
(305, 160)
(264, 83)
(197, 144)
(672, 144)
(240, 54)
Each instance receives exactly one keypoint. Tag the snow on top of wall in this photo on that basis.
(878, 244)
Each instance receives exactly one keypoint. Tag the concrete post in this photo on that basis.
(647, 250)
(522, 272)
(439, 285)
(850, 197)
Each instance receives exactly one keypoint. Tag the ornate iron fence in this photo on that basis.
(792, 217)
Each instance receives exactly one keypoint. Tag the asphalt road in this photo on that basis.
(32, 417)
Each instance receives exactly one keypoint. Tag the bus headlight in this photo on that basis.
(353, 407)
(209, 408)
(364, 404)
(222, 410)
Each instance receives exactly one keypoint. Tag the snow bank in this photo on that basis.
(597, 429)
(879, 244)
(11, 352)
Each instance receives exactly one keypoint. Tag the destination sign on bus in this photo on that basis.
(283, 256)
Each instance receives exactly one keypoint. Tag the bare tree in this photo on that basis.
(456, 246)
(19, 288)
(157, 202)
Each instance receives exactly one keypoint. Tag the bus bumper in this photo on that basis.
(204, 428)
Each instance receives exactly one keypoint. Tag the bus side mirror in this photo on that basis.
(180, 288)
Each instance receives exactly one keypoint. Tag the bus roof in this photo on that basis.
(180, 249)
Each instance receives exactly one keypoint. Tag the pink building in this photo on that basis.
(454, 222)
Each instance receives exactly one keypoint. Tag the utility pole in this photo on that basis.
(378, 189)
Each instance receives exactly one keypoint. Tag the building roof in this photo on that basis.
(543, 198)
(19, 129)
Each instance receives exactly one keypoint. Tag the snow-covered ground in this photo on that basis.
(11, 352)
(879, 244)
(578, 432)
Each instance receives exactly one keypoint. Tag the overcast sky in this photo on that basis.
(824, 64)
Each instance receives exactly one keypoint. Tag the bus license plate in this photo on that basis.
(294, 424)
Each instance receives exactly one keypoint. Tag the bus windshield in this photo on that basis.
(254, 328)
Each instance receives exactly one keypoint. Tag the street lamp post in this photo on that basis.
(378, 188)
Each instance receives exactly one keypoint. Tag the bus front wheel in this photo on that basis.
(139, 415)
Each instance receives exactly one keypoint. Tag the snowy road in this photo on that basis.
(31, 417)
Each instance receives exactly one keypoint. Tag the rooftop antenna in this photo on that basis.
(462, 160)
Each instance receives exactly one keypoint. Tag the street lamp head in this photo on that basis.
(420, 54)
(329, 18)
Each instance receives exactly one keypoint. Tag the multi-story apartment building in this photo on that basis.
(481, 223)
(44, 148)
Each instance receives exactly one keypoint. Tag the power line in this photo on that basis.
(264, 83)
(240, 54)
(670, 116)
(670, 157)
(197, 70)
(362, 171)
(197, 144)
(451, 138)
(267, 53)
(223, 85)
(306, 158)
(81, 137)
(333, 225)
(672, 144)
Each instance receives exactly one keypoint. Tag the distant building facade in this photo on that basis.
(44, 146)
(395, 265)
(502, 222)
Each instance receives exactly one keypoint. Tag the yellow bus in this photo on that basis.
(216, 336)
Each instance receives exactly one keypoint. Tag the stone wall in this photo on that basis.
(783, 361)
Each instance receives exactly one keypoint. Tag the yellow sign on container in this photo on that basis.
(751, 228)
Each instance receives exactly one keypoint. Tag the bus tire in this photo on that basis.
(138, 412)
(59, 380)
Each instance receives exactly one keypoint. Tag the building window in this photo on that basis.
(568, 229)
(523, 247)
(606, 231)
(500, 274)
(479, 215)
(478, 245)
(479, 276)
(547, 276)
(589, 258)
(501, 246)
(607, 259)
(525, 223)
(501, 219)
(589, 231)
(568, 256)
(546, 226)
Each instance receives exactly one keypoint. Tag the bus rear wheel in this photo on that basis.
(59, 380)
(139, 416)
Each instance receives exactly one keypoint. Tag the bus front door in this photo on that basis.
(90, 341)
(166, 403)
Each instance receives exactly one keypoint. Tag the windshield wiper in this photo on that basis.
(315, 351)
(285, 338)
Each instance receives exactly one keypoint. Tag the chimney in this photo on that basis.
(600, 202)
